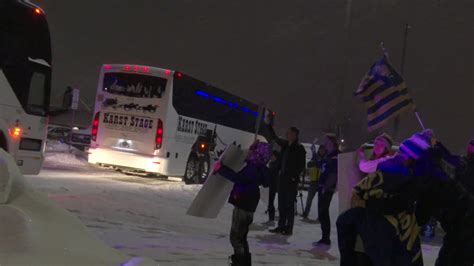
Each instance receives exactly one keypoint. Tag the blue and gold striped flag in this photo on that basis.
(385, 93)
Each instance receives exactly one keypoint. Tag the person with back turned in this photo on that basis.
(293, 160)
(327, 186)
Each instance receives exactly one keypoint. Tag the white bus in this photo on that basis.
(25, 82)
(164, 122)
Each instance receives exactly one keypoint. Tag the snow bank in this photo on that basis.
(35, 231)
(56, 146)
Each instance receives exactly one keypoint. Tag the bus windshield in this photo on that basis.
(134, 85)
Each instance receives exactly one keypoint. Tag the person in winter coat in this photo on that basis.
(245, 196)
(466, 174)
(274, 168)
(382, 151)
(451, 202)
(406, 192)
(327, 186)
(314, 174)
(293, 162)
(383, 210)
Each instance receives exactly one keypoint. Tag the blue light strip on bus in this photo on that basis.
(245, 109)
(219, 100)
(222, 101)
(203, 94)
(233, 105)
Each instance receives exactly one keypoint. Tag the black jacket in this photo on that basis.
(466, 175)
(246, 192)
(292, 160)
(273, 170)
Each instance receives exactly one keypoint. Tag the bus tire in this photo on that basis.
(3, 142)
(204, 168)
(191, 170)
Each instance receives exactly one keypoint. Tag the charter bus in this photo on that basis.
(165, 122)
(25, 82)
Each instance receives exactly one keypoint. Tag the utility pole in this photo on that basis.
(74, 106)
(396, 122)
(340, 103)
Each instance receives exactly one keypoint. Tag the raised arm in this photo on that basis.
(273, 137)
(370, 166)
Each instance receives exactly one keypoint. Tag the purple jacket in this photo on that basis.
(246, 193)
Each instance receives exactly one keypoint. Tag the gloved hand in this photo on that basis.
(217, 167)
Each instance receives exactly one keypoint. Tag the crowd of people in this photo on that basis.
(401, 191)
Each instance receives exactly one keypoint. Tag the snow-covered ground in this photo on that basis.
(147, 217)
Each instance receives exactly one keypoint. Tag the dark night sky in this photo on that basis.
(290, 54)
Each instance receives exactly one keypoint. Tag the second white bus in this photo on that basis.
(164, 122)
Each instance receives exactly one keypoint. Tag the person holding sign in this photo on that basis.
(245, 196)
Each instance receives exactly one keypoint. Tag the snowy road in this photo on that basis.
(146, 217)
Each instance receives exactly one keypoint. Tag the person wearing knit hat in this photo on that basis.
(381, 202)
(387, 141)
(245, 196)
(415, 146)
(382, 151)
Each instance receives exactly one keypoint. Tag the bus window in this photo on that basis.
(36, 97)
(30, 86)
(134, 85)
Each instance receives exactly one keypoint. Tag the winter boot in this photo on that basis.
(238, 260)
(232, 260)
(277, 230)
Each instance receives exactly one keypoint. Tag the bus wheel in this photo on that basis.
(191, 170)
(204, 166)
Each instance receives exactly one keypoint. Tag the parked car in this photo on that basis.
(58, 133)
(81, 137)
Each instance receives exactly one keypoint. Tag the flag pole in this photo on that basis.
(385, 53)
(404, 49)
(419, 120)
(396, 122)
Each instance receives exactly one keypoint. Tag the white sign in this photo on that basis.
(75, 99)
(216, 190)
